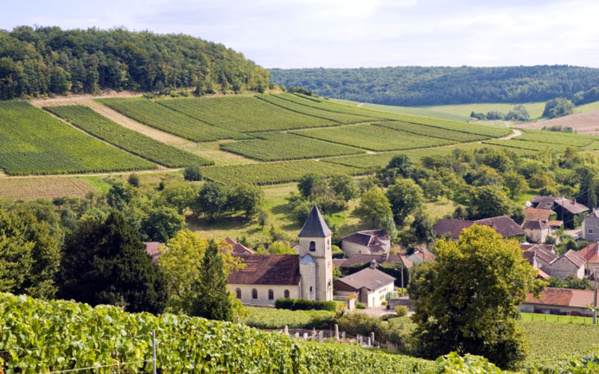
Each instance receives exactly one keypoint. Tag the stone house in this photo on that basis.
(366, 242)
(561, 301)
(569, 263)
(308, 275)
(590, 226)
(536, 231)
(503, 225)
(567, 210)
(370, 285)
(591, 255)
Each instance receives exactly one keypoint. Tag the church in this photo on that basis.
(308, 275)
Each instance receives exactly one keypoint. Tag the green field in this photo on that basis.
(310, 110)
(129, 140)
(34, 142)
(590, 107)
(285, 146)
(528, 145)
(273, 172)
(415, 111)
(243, 114)
(435, 132)
(553, 137)
(374, 138)
(162, 118)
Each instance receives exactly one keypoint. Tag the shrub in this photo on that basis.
(303, 304)
(360, 305)
(133, 180)
(401, 310)
(193, 173)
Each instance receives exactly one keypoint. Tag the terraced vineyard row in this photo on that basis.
(243, 114)
(375, 138)
(33, 142)
(284, 146)
(339, 117)
(332, 107)
(573, 140)
(435, 132)
(274, 172)
(132, 141)
(165, 119)
(531, 146)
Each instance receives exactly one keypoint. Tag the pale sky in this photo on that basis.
(350, 33)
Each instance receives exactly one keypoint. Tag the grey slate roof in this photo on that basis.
(315, 226)
(368, 278)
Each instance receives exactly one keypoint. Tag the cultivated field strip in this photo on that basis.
(375, 138)
(129, 140)
(34, 142)
(285, 146)
(243, 114)
(529, 145)
(554, 137)
(274, 172)
(377, 161)
(29, 189)
(332, 106)
(152, 114)
(435, 132)
(343, 118)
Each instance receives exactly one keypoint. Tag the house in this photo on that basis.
(567, 210)
(238, 248)
(420, 255)
(544, 254)
(360, 260)
(590, 226)
(569, 263)
(308, 275)
(366, 242)
(152, 250)
(503, 225)
(591, 255)
(534, 214)
(370, 285)
(563, 301)
(536, 231)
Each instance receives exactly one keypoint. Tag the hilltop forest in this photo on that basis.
(47, 60)
(418, 86)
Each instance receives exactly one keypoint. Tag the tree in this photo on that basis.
(211, 200)
(193, 173)
(281, 248)
(489, 201)
(374, 206)
(345, 187)
(515, 183)
(423, 226)
(212, 300)
(105, 262)
(307, 182)
(161, 224)
(133, 180)
(467, 299)
(176, 195)
(518, 113)
(119, 196)
(405, 198)
(587, 186)
(247, 198)
(558, 108)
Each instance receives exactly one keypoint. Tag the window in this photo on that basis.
(254, 293)
(271, 295)
(238, 293)
(590, 231)
(286, 294)
(312, 246)
(310, 288)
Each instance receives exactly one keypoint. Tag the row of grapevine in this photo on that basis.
(344, 118)
(332, 107)
(132, 141)
(274, 172)
(283, 146)
(553, 137)
(375, 138)
(243, 114)
(34, 142)
(435, 132)
(531, 146)
(60, 335)
(168, 120)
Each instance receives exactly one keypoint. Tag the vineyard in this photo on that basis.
(343, 118)
(284, 146)
(243, 114)
(132, 141)
(553, 137)
(33, 142)
(42, 188)
(375, 138)
(532, 146)
(274, 172)
(43, 336)
(267, 318)
(435, 132)
(165, 119)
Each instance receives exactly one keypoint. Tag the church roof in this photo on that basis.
(268, 270)
(315, 226)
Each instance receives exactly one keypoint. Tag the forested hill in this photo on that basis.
(413, 86)
(43, 60)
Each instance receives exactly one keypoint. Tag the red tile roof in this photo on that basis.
(534, 214)
(590, 252)
(152, 250)
(238, 248)
(503, 225)
(562, 297)
(575, 258)
(268, 269)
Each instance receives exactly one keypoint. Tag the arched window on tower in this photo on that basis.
(312, 246)
(271, 295)
(254, 293)
(286, 294)
(238, 293)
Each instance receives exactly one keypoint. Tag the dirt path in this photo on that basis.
(512, 135)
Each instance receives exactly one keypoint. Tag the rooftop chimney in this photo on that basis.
(373, 264)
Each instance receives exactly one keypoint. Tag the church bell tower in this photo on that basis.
(316, 259)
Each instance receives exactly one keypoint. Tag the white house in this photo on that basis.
(308, 275)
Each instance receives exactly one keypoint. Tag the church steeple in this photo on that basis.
(315, 226)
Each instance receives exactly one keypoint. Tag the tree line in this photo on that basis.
(38, 61)
(415, 86)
